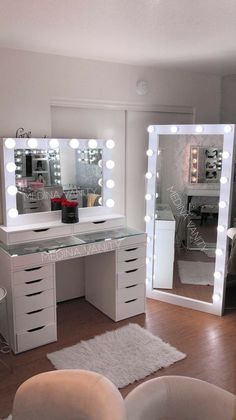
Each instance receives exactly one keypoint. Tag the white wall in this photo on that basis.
(228, 99)
(29, 82)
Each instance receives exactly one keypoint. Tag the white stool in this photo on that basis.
(4, 345)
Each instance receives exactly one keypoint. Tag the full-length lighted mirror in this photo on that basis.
(34, 171)
(188, 197)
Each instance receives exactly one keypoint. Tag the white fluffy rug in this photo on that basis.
(125, 355)
(196, 272)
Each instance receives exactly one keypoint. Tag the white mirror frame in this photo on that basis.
(8, 179)
(228, 132)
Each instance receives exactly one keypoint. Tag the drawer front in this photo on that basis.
(131, 277)
(33, 286)
(31, 339)
(35, 319)
(25, 304)
(130, 264)
(131, 308)
(34, 235)
(31, 210)
(33, 273)
(130, 292)
(131, 252)
(99, 225)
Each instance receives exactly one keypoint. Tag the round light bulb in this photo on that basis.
(74, 143)
(149, 152)
(194, 151)
(194, 160)
(158, 174)
(110, 144)
(223, 180)
(12, 213)
(110, 164)
(217, 274)
(147, 219)
(147, 260)
(225, 155)
(148, 239)
(110, 203)
(222, 204)
(150, 129)
(220, 228)
(174, 129)
(219, 252)
(100, 163)
(148, 197)
(148, 175)
(216, 297)
(54, 143)
(110, 183)
(199, 129)
(12, 190)
(10, 167)
(100, 182)
(10, 143)
(32, 143)
(100, 201)
(157, 195)
(227, 129)
(92, 143)
(194, 179)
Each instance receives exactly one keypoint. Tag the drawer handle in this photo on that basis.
(98, 222)
(130, 249)
(132, 300)
(132, 259)
(34, 294)
(36, 329)
(41, 230)
(131, 271)
(34, 312)
(133, 285)
(32, 269)
(33, 281)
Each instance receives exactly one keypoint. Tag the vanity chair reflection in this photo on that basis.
(45, 261)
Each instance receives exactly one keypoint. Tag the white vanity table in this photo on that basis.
(114, 274)
(44, 261)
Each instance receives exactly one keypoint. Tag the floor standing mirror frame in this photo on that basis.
(224, 214)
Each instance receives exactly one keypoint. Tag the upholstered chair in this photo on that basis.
(179, 398)
(68, 395)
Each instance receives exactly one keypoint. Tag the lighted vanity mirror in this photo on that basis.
(42, 175)
(34, 171)
(187, 215)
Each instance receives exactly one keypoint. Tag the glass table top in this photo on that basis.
(48, 245)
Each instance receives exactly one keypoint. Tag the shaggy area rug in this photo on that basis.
(196, 272)
(125, 355)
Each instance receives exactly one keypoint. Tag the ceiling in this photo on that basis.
(197, 35)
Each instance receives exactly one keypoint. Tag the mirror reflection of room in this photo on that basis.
(187, 196)
(45, 174)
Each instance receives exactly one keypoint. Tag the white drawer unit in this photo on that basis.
(34, 301)
(98, 225)
(23, 236)
(33, 273)
(130, 277)
(130, 308)
(33, 286)
(35, 337)
(35, 319)
(131, 269)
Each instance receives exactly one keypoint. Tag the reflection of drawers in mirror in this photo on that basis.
(203, 208)
(164, 247)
